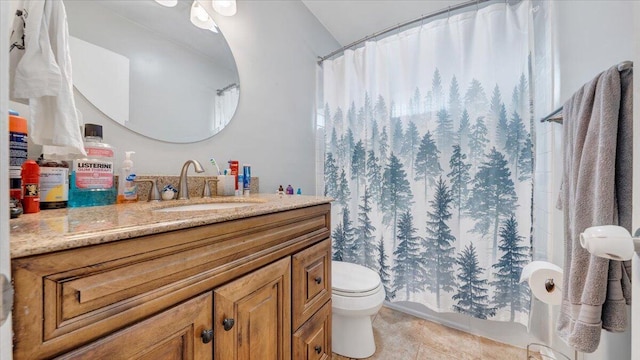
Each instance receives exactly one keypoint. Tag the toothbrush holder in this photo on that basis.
(226, 185)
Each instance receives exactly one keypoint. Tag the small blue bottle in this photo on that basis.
(246, 179)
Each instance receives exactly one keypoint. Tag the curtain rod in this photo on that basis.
(220, 91)
(401, 25)
(556, 115)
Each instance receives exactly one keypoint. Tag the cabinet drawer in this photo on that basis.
(312, 281)
(313, 340)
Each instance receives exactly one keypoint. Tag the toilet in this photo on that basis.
(357, 295)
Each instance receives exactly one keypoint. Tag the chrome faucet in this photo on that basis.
(183, 188)
(154, 194)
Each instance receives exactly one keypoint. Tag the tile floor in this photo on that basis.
(404, 337)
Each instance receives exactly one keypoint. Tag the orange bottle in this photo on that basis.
(30, 187)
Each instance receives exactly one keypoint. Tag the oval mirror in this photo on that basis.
(148, 68)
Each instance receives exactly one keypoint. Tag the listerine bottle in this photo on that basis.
(91, 180)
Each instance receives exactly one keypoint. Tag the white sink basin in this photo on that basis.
(204, 207)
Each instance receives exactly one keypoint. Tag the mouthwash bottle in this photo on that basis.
(91, 180)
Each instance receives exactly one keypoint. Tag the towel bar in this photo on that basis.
(556, 115)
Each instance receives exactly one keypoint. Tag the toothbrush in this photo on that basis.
(213, 162)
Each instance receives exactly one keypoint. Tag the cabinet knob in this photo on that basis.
(207, 336)
(228, 324)
(318, 349)
(318, 280)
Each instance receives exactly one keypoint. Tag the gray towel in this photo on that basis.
(597, 137)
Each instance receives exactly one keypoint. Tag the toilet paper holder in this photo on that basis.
(549, 285)
(611, 242)
(544, 280)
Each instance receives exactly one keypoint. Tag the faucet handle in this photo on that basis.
(206, 192)
(154, 194)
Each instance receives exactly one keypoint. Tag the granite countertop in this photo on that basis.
(55, 230)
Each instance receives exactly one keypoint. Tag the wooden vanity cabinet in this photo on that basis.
(242, 289)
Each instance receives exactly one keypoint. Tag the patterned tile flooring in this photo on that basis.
(400, 336)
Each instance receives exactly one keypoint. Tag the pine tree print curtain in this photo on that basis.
(428, 155)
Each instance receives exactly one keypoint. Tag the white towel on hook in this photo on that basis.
(40, 75)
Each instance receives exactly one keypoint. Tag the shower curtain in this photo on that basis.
(225, 104)
(428, 153)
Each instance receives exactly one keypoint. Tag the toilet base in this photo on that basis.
(352, 336)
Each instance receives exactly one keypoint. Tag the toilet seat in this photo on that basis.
(357, 294)
(352, 280)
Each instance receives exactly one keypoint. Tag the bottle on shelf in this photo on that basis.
(30, 187)
(54, 183)
(17, 152)
(91, 181)
(127, 189)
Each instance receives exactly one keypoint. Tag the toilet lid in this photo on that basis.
(353, 278)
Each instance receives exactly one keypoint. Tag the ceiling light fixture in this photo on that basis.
(200, 18)
(224, 7)
(167, 3)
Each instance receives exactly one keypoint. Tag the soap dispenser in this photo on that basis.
(127, 188)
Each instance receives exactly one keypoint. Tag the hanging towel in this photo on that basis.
(597, 135)
(40, 75)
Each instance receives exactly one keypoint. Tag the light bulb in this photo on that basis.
(200, 18)
(224, 7)
(201, 14)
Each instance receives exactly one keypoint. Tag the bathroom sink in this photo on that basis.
(205, 207)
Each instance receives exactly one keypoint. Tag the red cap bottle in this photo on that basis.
(30, 187)
(234, 165)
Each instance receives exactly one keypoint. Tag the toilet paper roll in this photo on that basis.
(608, 241)
(545, 281)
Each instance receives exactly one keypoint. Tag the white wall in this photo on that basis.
(275, 44)
(591, 37)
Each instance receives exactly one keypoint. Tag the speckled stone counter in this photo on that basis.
(55, 230)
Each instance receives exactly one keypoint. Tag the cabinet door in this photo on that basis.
(311, 281)
(177, 333)
(252, 315)
(313, 340)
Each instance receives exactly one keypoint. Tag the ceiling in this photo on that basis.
(346, 20)
(352, 20)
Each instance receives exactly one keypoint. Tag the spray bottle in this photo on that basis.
(127, 189)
